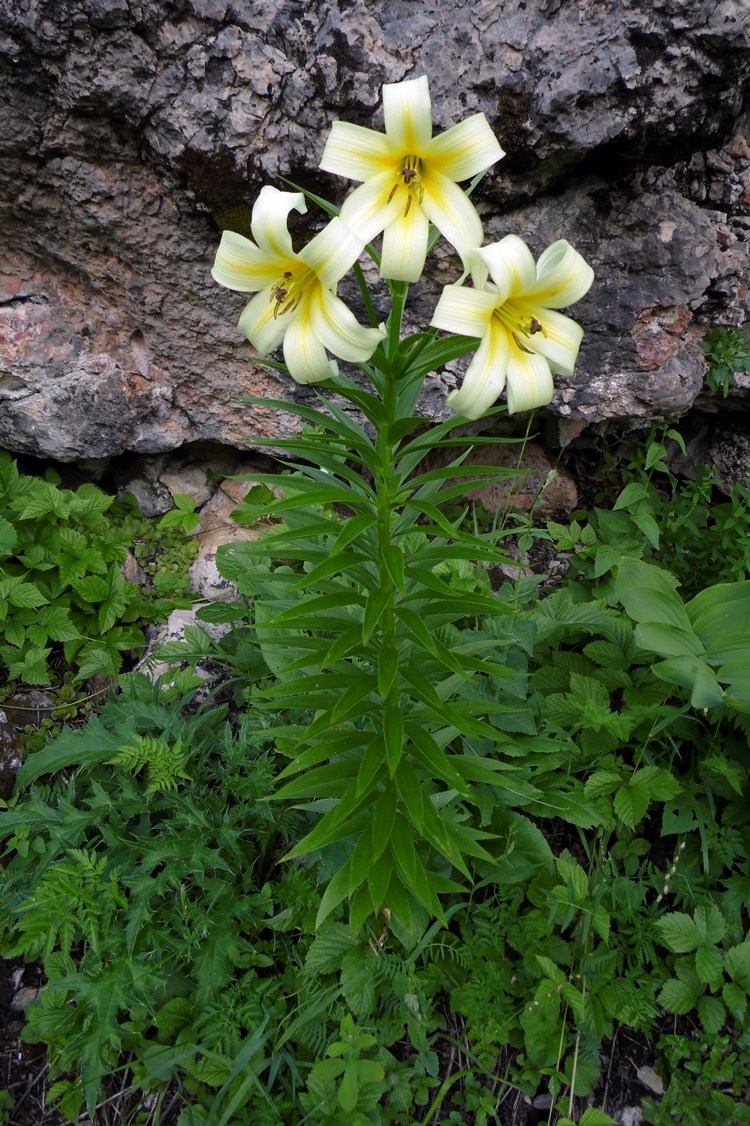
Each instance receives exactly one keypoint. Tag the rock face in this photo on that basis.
(132, 132)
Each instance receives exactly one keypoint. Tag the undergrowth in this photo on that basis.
(142, 860)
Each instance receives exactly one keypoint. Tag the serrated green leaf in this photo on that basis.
(738, 964)
(712, 1014)
(358, 980)
(678, 997)
(328, 948)
(709, 965)
(26, 596)
(678, 932)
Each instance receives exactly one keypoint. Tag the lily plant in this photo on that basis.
(389, 668)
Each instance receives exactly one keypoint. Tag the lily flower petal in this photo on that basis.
(510, 264)
(465, 149)
(370, 208)
(332, 252)
(269, 221)
(558, 339)
(409, 175)
(338, 329)
(485, 376)
(529, 381)
(463, 310)
(355, 152)
(512, 310)
(452, 212)
(405, 247)
(563, 276)
(305, 355)
(241, 265)
(407, 113)
(258, 323)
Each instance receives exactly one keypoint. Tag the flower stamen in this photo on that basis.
(282, 293)
(409, 178)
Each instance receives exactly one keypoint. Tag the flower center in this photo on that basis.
(408, 177)
(286, 294)
(518, 324)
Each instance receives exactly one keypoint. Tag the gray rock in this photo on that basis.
(131, 133)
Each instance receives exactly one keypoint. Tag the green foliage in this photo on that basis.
(727, 351)
(61, 586)
(706, 1081)
(146, 885)
(183, 514)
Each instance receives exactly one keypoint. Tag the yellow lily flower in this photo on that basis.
(512, 311)
(410, 178)
(296, 302)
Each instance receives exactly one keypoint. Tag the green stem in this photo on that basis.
(399, 292)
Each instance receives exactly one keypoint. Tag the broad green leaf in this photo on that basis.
(601, 783)
(736, 999)
(358, 980)
(668, 640)
(694, 674)
(631, 803)
(648, 594)
(631, 494)
(709, 923)
(8, 538)
(721, 613)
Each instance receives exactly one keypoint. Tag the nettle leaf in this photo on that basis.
(358, 980)
(678, 932)
(328, 949)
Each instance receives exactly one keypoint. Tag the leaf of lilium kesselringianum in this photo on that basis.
(296, 302)
(411, 178)
(513, 312)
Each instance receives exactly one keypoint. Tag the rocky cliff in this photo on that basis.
(132, 132)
